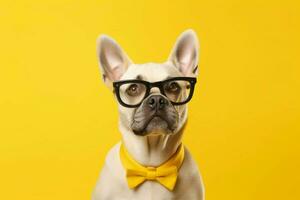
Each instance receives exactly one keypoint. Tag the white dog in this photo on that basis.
(150, 162)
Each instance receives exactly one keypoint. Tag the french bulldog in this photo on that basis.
(152, 109)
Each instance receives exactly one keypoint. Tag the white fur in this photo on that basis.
(151, 150)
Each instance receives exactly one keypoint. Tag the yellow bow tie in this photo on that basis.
(166, 174)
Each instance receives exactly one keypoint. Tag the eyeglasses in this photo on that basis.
(131, 93)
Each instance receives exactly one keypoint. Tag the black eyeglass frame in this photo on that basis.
(150, 85)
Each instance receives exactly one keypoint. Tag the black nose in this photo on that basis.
(157, 102)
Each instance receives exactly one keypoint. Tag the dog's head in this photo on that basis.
(152, 97)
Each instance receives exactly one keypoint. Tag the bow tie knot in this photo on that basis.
(151, 173)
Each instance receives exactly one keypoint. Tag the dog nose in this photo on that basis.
(157, 102)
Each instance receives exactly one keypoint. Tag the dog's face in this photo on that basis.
(151, 110)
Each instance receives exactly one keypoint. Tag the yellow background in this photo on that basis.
(58, 120)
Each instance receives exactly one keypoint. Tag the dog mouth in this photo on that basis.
(155, 123)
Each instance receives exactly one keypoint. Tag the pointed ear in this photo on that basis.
(113, 61)
(185, 53)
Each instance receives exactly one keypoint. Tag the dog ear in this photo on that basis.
(184, 54)
(113, 61)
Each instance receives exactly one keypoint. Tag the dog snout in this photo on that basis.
(157, 102)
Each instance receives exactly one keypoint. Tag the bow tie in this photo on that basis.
(166, 174)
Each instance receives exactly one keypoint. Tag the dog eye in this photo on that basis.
(172, 87)
(132, 90)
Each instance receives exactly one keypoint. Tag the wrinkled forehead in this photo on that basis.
(151, 72)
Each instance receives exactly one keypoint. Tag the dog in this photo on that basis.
(152, 109)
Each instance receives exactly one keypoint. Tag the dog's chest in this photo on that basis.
(113, 183)
(151, 190)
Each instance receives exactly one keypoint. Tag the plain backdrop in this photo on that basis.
(58, 120)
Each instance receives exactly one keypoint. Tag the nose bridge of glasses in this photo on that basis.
(155, 88)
